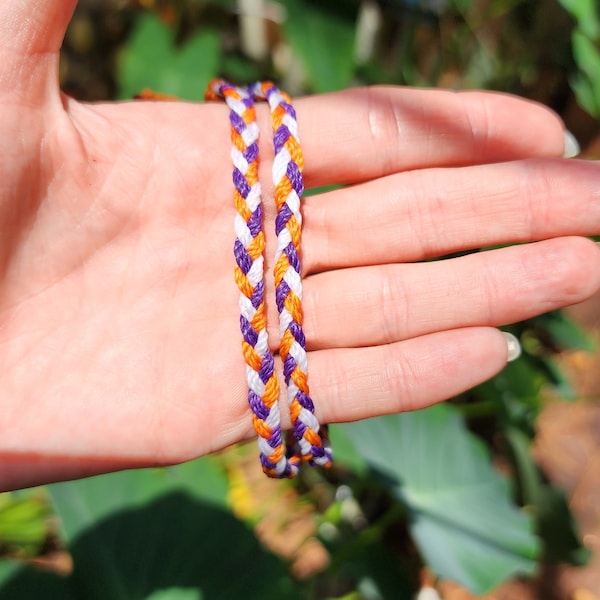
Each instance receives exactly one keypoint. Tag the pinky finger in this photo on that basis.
(357, 383)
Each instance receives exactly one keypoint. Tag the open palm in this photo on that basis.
(119, 339)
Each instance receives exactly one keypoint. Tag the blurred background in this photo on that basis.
(495, 494)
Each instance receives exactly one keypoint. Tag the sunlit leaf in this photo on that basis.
(23, 523)
(323, 38)
(176, 594)
(152, 60)
(347, 452)
(461, 513)
(157, 533)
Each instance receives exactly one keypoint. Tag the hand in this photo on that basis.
(119, 339)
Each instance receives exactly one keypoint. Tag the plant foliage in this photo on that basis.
(459, 508)
(408, 490)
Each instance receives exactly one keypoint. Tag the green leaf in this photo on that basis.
(585, 12)
(558, 379)
(482, 68)
(461, 513)
(564, 332)
(347, 453)
(240, 69)
(462, 6)
(526, 469)
(322, 36)
(587, 57)
(19, 582)
(151, 60)
(520, 382)
(378, 575)
(559, 529)
(585, 94)
(158, 533)
(23, 522)
(82, 504)
(7, 570)
(161, 529)
(176, 594)
(554, 520)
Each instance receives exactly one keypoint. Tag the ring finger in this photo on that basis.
(369, 306)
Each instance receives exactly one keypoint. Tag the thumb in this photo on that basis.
(34, 26)
(31, 33)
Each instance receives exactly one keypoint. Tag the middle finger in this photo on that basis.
(368, 306)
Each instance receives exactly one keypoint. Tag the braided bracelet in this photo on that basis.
(309, 439)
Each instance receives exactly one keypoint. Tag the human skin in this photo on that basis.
(119, 337)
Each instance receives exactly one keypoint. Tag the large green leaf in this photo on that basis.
(151, 60)
(19, 582)
(156, 534)
(587, 83)
(322, 35)
(8, 568)
(82, 504)
(461, 513)
(585, 12)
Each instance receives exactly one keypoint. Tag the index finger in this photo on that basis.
(364, 133)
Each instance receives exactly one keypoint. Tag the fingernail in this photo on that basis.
(428, 593)
(572, 148)
(514, 348)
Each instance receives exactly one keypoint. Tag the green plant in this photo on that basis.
(164, 534)
(586, 53)
(409, 489)
(23, 523)
(152, 60)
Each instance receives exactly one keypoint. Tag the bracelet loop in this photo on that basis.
(309, 442)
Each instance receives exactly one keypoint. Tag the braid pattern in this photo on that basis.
(288, 165)
(263, 386)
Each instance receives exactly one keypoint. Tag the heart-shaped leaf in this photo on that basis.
(460, 509)
(155, 534)
(152, 60)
